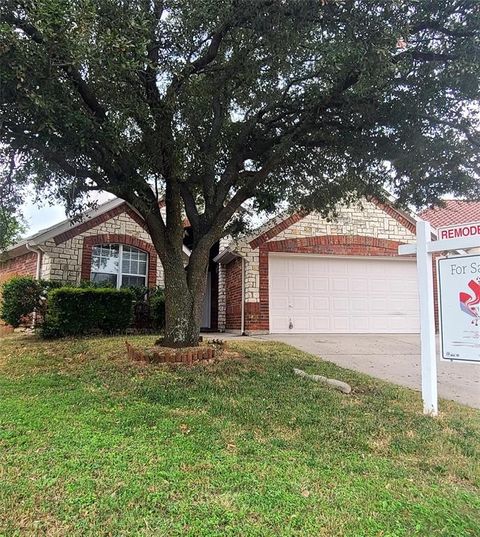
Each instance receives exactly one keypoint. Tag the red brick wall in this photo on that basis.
(22, 265)
(233, 283)
(347, 245)
(116, 238)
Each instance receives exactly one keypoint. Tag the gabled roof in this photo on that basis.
(63, 226)
(453, 212)
(284, 220)
(63, 230)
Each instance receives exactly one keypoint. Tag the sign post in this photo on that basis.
(451, 239)
(427, 320)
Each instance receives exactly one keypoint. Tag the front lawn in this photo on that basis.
(92, 445)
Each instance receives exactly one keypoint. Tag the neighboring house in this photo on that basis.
(298, 273)
(453, 212)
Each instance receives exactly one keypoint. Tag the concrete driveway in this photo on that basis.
(395, 358)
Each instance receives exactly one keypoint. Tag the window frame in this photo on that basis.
(120, 272)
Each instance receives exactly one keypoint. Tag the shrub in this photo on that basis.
(20, 297)
(79, 311)
(157, 308)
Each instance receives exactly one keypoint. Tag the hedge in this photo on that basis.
(78, 311)
(20, 297)
(157, 308)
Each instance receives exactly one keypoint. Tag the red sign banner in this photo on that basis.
(459, 231)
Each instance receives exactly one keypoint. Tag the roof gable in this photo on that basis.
(278, 224)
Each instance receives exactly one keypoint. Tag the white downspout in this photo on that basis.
(38, 273)
(242, 325)
(39, 253)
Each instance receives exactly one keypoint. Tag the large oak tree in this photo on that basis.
(212, 103)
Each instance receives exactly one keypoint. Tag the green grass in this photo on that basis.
(91, 444)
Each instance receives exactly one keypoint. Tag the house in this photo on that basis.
(297, 273)
(452, 212)
(301, 273)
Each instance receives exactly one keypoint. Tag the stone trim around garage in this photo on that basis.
(391, 211)
(257, 313)
(116, 238)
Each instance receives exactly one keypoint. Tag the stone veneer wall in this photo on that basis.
(365, 218)
(63, 260)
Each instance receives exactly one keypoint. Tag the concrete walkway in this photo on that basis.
(395, 358)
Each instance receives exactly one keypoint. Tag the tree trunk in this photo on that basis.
(184, 296)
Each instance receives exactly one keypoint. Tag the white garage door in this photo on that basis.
(344, 295)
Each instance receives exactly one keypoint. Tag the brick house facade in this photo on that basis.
(66, 253)
(239, 297)
(366, 229)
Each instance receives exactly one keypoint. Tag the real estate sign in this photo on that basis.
(459, 230)
(459, 305)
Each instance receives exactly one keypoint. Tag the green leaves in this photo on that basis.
(300, 101)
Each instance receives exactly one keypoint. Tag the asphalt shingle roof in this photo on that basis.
(453, 212)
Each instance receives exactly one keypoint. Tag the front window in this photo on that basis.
(120, 265)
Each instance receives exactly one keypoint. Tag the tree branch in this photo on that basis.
(73, 73)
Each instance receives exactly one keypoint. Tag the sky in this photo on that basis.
(38, 217)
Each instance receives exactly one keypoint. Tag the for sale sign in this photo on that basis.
(459, 305)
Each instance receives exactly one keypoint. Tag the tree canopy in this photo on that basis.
(11, 221)
(211, 103)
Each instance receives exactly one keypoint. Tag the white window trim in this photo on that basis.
(120, 272)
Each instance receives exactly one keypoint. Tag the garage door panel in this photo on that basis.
(298, 283)
(319, 304)
(299, 267)
(359, 324)
(339, 284)
(358, 285)
(377, 305)
(279, 303)
(301, 323)
(376, 286)
(359, 306)
(279, 324)
(321, 294)
(279, 283)
(320, 324)
(340, 305)
(400, 286)
(340, 324)
(319, 284)
(300, 304)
